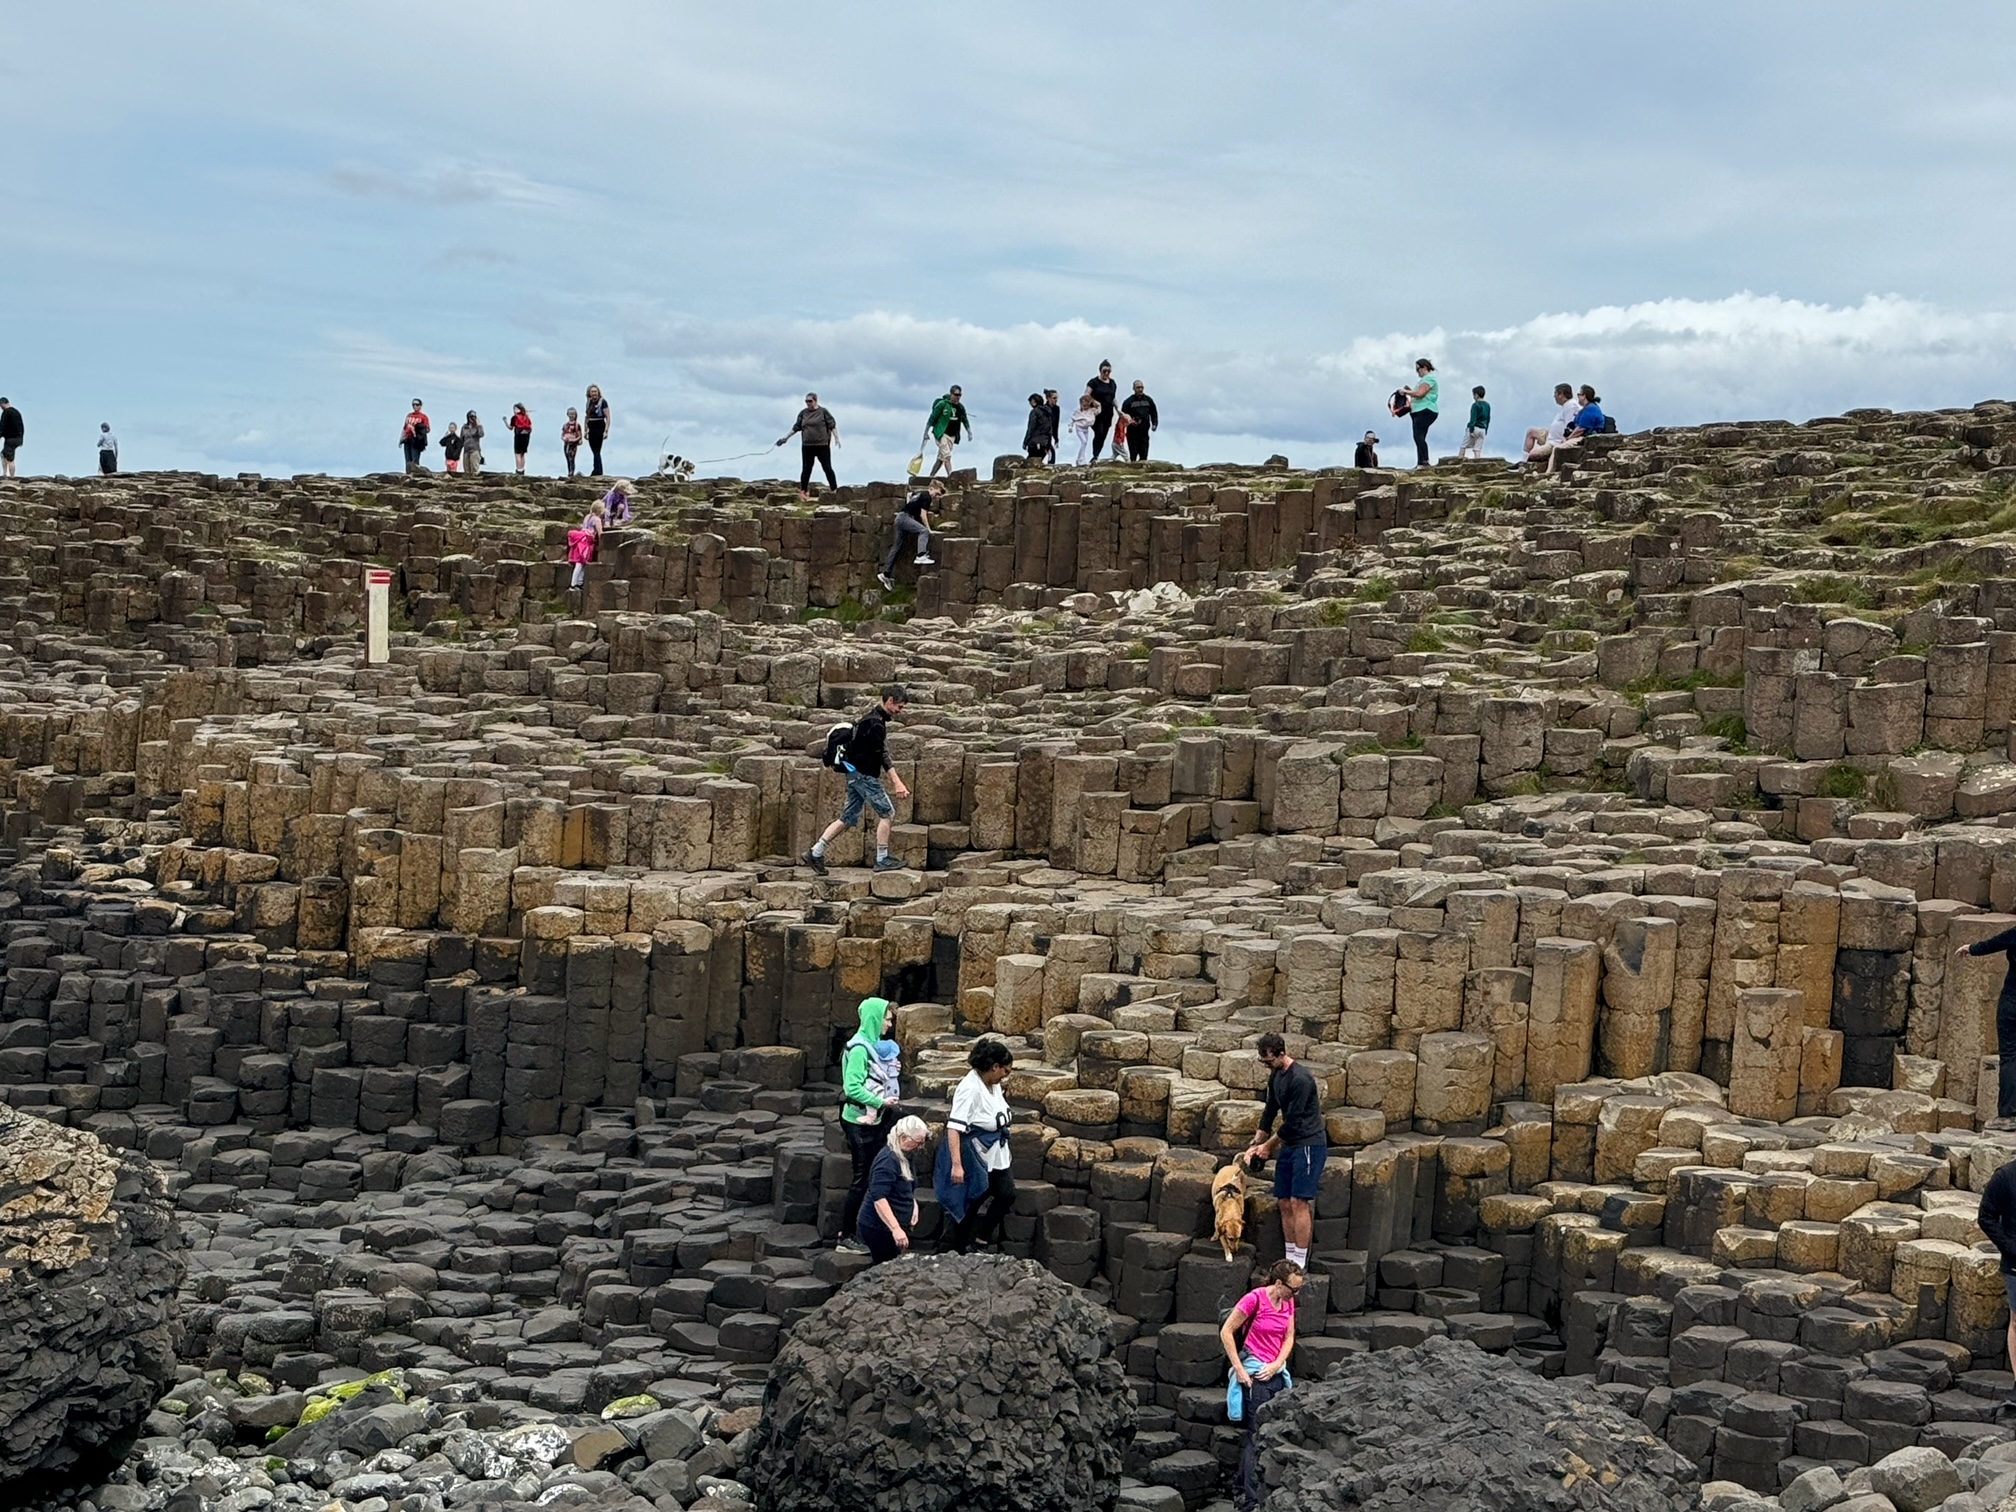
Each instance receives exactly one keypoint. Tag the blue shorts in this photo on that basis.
(1299, 1171)
(869, 792)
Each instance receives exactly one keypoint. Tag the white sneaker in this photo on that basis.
(925, 561)
(884, 580)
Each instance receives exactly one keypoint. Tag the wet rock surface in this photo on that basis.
(1445, 1427)
(88, 1273)
(947, 1381)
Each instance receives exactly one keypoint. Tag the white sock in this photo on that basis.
(881, 853)
(819, 847)
(1298, 1256)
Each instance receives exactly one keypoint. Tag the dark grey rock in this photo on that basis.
(1444, 1427)
(942, 1382)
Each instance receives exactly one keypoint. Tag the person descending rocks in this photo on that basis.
(913, 519)
(889, 1204)
(1302, 1141)
(862, 757)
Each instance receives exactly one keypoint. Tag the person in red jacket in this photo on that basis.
(413, 436)
(520, 421)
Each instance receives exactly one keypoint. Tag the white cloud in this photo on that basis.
(450, 184)
(1660, 362)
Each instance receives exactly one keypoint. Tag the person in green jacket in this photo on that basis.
(948, 421)
(864, 1112)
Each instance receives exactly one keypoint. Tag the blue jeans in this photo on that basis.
(864, 791)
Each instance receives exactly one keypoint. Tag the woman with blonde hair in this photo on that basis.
(889, 1210)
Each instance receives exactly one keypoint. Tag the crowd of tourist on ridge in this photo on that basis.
(1103, 425)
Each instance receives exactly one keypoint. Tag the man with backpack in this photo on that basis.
(860, 752)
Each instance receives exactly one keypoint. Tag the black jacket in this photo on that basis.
(1103, 390)
(1056, 413)
(1998, 1215)
(868, 748)
(1038, 434)
(1364, 456)
(1292, 1095)
(12, 426)
(1140, 410)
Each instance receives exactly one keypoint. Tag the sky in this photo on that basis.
(247, 234)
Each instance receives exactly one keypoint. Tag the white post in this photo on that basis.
(377, 616)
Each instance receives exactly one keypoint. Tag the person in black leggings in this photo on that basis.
(976, 1130)
(1425, 402)
(597, 425)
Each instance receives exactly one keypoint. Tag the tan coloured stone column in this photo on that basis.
(1637, 997)
(1561, 1028)
(1764, 1063)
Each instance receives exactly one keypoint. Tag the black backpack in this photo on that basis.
(1609, 425)
(836, 746)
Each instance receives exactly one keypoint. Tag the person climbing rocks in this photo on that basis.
(948, 421)
(520, 421)
(1039, 440)
(975, 1179)
(597, 427)
(413, 436)
(1258, 1335)
(1424, 403)
(818, 433)
(1142, 418)
(472, 444)
(1104, 391)
(889, 1203)
(864, 761)
(1302, 1141)
(570, 438)
(913, 519)
(108, 449)
(585, 541)
(864, 1110)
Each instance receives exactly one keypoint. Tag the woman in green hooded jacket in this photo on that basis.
(864, 1112)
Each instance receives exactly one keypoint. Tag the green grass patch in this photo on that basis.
(1837, 588)
(1843, 781)
(1729, 727)
(1426, 640)
(1376, 590)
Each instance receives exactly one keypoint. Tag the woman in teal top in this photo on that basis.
(1425, 402)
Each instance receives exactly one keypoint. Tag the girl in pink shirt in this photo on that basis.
(1267, 1315)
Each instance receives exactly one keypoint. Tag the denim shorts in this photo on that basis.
(869, 792)
(1298, 1171)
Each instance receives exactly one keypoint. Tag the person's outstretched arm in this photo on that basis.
(1994, 944)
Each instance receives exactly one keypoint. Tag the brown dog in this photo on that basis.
(1228, 1208)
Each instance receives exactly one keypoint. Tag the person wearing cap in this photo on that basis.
(1367, 454)
(948, 421)
(818, 433)
(864, 762)
(413, 436)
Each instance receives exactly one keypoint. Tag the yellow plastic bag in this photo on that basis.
(917, 464)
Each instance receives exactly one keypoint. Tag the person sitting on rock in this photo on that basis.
(889, 1211)
(1258, 1336)
(975, 1177)
(1542, 439)
(618, 504)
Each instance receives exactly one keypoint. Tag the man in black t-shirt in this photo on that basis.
(1104, 391)
(864, 765)
(13, 431)
(1142, 418)
(1303, 1142)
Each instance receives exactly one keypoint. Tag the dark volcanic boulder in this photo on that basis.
(949, 1381)
(1444, 1427)
(88, 1272)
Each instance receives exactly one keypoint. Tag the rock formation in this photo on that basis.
(1601, 841)
(947, 1381)
(1444, 1427)
(88, 1273)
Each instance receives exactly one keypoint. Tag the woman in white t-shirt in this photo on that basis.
(975, 1178)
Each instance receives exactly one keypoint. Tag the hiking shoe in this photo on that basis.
(889, 863)
(852, 1246)
(816, 861)
(925, 561)
(885, 580)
